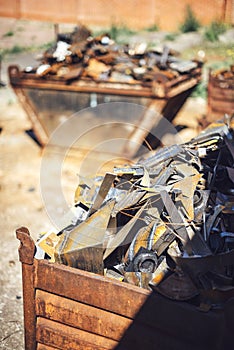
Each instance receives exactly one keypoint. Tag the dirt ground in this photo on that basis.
(20, 157)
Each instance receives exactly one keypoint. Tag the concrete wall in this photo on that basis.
(167, 14)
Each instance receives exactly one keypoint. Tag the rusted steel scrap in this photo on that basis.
(225, 74)
(164, 224)
(82, 71)
(79, 55)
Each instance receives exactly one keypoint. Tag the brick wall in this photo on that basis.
(167, 14)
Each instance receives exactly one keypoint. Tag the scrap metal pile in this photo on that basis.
(224, 75)
(165, 223)
(79, 55)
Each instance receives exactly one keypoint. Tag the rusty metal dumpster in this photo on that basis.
(101, 73)
(50, 103)
(66, 308)
(220, 93)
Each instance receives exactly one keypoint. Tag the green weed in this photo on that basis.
(213, 31)
(117, 31)
(191, 23)
(200, 90)
(153, 28)
(16, 49)
(171, 36)
(8, 34)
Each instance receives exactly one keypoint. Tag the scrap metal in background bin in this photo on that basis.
(164, 224)
(82, 71)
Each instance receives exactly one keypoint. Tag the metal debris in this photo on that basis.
(227, 75)
(79, 55)
(164, 224)
(82, 71)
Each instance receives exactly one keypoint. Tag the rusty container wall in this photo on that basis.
(220, 97)
(69, 309)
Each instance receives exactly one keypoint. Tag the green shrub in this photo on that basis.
(190, 24)
(171, 36)
(13, 50)
(113, 32)
(213, 31)
(16, 49)
(10, 33)
(153, 28)
(46, 46)
(119, 31)
(200, 90)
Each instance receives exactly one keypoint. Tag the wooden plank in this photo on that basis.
(86, 287)
(81, 316)
(68, 338)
